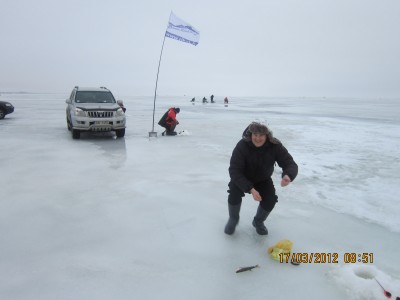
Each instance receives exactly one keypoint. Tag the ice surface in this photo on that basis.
(139, 218)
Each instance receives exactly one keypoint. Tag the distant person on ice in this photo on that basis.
(205, 100)
(226, 101)
(250, 170)
(169, 121)
(212, 99)
(193, 99)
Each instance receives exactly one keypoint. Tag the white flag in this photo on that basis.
(182, 31)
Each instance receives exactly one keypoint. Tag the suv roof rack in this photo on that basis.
(103, 87)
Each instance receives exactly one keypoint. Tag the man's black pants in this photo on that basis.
(265, 188)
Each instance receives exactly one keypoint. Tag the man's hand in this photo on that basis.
(255, 194)
(285, 181)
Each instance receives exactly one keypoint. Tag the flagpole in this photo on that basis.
(179, 30)
(153, 133)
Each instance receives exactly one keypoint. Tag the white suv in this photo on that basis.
(94, 109)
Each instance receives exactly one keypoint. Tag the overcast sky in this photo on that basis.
(247, 48)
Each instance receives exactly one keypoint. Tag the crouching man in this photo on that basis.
(169, 121)
(250, 170)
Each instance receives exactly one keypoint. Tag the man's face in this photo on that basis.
(258, 139)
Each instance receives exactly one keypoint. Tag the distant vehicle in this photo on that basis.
(94, 109)
(5, 109)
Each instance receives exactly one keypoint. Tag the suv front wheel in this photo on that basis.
(120, 132)
(76, 134)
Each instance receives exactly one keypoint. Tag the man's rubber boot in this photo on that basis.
(259, 219)
(233, 218)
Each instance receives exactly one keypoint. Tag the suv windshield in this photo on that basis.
(94, 97)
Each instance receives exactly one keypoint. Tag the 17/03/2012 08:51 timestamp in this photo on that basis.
(323, 257)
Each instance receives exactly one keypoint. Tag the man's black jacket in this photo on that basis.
(250, 164)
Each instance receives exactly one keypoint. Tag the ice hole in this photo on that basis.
(365, 272)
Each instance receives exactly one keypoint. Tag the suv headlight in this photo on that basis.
(79, 112)
(120, 112)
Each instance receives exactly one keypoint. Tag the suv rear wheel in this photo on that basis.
(68, 125)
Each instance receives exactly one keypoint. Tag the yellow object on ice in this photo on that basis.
(283, 246)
